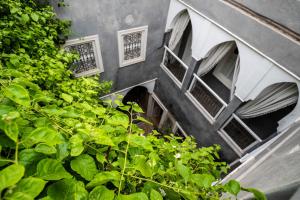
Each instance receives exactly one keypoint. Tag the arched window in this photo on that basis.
(178, 52)
(213, 85)
(257, 120)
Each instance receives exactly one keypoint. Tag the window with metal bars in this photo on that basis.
(90, 60)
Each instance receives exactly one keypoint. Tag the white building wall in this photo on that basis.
(256, 71)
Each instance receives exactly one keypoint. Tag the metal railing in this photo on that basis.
(206, 99)
(174, 66)
(238, 135)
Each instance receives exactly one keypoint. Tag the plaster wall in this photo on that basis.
(284, 12)
(268, 41)
(106, 18)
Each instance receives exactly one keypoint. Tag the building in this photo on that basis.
(225, 71)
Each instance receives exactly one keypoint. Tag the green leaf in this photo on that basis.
(103, 178)
(5, 109)
(184, 171)
(203, 180)
(135, 196)
(233, 187)
(45, 149)
(62, 151)
(11, 130)
(25, 18)
(257, 194)
(34, 17)
(154, 195)
(101, 193)
(11, 175)
(144, 120)
(43, 135)
(50, 169)
(68, 98)
(13, 10)
(137, 108)
(68, 189)
(76, 145)
(29, 156)
(85, 166)
(142, 166)
(140, 141)
(18, 94)
(26, 189)
(101, 138)
(119, 119)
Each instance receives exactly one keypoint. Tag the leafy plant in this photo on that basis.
(58, 141)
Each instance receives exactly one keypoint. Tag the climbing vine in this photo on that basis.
(59, 141)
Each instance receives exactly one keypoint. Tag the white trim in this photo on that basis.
(129, 88)
(97, 50)
(231, 142)
(170, 74)
(201, 108)
(176, 127)
(240, 39)
(161, 105)
(121, 34)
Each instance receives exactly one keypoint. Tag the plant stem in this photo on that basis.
(126, 153)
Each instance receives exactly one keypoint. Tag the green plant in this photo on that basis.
(58, 141)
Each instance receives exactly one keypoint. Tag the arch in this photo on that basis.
(139, 95)
(285, 114)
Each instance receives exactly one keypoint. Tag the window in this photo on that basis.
(132, 45)
(225, 68)
(90, 61)
(238, 135)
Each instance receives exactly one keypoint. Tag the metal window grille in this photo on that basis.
(87, 60)
(132, 45)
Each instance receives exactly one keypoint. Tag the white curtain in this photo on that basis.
(214, 56)
(235, 77)
(273, 98)
(179, 27)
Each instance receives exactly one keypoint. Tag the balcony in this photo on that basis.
(174, 67)
(205, 99)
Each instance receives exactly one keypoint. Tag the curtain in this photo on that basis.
(214, 56)
(179, 27)
(235, 77)
(271, 99)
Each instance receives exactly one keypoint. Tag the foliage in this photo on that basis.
(58, 141)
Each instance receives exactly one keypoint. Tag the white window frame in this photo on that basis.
(164, 116)
(97, 50)
(176, 127)
(168, 72)
(201, 108)
(231, 142)
(121, 34)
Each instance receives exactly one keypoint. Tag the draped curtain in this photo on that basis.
(273, 98)
(179, 27)
(214, 56)
(235, 77)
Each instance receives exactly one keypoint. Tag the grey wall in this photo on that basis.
(285, 12)
(105, 18)
(189, 117)
(281, 49)
(279, 174)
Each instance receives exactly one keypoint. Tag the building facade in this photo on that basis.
(225, 71)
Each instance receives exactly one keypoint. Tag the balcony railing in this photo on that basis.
(238, 135)
(174, 67)
(206, 99)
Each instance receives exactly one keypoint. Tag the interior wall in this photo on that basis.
(106, 18)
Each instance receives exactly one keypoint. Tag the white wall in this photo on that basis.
(256, 71)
